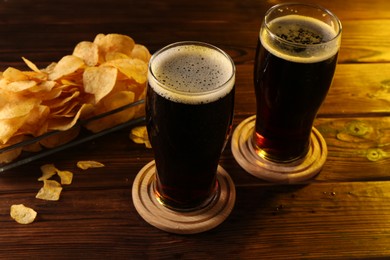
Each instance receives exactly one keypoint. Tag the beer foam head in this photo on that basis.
(191, 73)
(299, 38)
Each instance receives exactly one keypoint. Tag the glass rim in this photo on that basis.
(188, 43)
(301, 45)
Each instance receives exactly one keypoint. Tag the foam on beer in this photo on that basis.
(301, 52)
(191, 74)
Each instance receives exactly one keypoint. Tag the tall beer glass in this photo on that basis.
(295, 62)
(189, 112)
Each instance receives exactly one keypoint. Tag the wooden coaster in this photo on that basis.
(244, 152)
(153, 212)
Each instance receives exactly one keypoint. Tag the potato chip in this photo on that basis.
(36, 76)
(33, 148)
(67, 110)
(44, 95)
(112, 102)
(88, 51)
(132, 68)
(10, 155)
(14, 75)
(62, 101)
(129, 85)
(64, 124)
(99, 81)
(65, 176)
(36, 122)
(68, 82)
(9, 128)
(23, 214)
(51, 190)
(140, 52)
(67, 65)
(139, 135)
(60, 138)
(137, 139)
(21, 85)
(12, 106)
(31, 65)
(43, 87)
(84, 165)
(48, 171)
(50, 68)
(114, 43)
(116, 56)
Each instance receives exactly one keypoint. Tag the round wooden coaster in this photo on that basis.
(301, 170)
(153, 212)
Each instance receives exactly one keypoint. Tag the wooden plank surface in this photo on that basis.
(323, 220)
(343, 213)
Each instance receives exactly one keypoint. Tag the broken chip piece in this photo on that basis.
(48, 171)
(22, 214)
(65, 176)
(51, 190)
(139, 135)
(84, 165)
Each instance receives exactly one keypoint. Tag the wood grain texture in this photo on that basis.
(343, 213)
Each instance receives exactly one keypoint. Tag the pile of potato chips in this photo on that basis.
(99, 76)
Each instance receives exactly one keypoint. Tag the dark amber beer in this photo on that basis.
(295, 61)
(189, 110)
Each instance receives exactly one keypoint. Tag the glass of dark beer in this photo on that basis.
(189, 111)
(295, 62)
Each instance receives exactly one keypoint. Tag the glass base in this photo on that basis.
(298, 171)
(179, 222)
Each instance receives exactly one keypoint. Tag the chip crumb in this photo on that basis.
(22, 214)
(51, 190)
(84, 165)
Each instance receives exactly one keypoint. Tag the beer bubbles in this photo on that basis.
(309, 40)
(195, 69)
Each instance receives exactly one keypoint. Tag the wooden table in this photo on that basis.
(342, 213)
